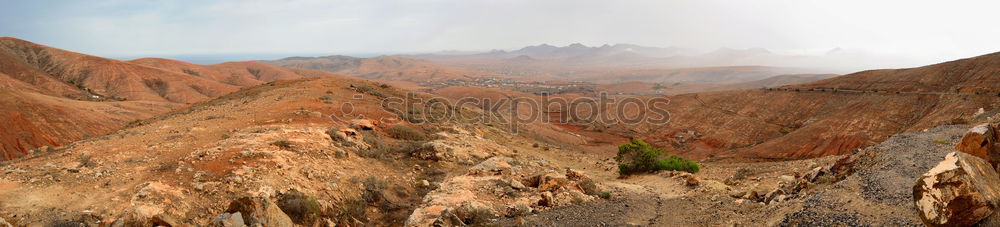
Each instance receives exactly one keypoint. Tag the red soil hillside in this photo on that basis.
(976, 74)
(34, 116)
(233, 73)
(107, 77)
(785, 123)
(52, 96)
(32, 120)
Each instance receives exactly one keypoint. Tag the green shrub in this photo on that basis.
(406, 133)
(678, 163)
(638, 156)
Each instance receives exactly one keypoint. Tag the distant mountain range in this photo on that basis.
(577, 55)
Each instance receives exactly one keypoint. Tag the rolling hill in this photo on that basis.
(814, 120)
(55, 96)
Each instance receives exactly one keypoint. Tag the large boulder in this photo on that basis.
(549, 181)
(960, 191)
(981, 141)
(348, 137)
(259, 211)
(363, 124)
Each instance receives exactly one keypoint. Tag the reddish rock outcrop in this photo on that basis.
(981, 141)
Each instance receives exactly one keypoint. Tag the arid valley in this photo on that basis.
(538, 135)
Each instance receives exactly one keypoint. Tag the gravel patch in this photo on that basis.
(880, 192)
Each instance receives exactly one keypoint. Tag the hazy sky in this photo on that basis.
(928, 30)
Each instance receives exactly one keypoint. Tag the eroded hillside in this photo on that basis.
(52, 96)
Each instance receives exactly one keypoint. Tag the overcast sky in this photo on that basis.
(928, 30)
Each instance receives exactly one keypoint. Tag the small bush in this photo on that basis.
(638, 156)
(369, 90)
(605, 195)
(191, 72)
(166, 166)
(406, 133)
(409, 148)
(378, 148)
(87, 161)
(283, 144)
(352, 209)
(302, 208)
(374, 190)
(326, 99)
(372, 138)
(941, 141)
(678, 163)
(824, 179)
(589, 187)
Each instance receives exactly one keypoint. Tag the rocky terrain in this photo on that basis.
(277, 143)
(98, 142)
